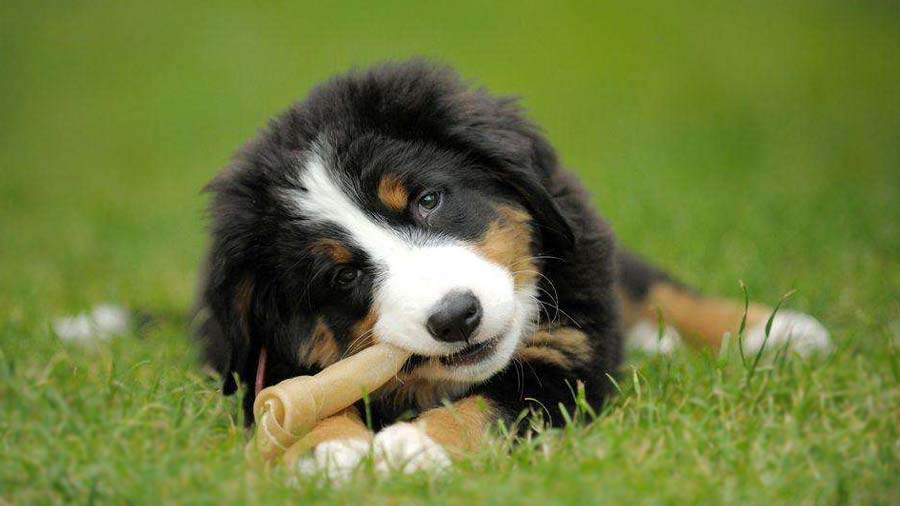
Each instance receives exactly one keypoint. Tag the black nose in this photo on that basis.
(455, 317)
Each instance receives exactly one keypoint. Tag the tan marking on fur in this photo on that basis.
(416, 388)
(332, 249)
(571, 341)
(507, 242)
(347, 424)
(557, 345)
(321, 348)
(544, 354)
(461, 426)
(408, 388)
(392, 193)
(701, 320)
(242, 300)
(361, 335)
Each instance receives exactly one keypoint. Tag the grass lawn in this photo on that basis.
(756, 142)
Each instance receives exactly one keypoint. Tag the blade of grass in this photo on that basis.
(743, 323)
(768, 331)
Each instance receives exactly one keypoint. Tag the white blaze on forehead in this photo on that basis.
(414, 270)
(326, 200)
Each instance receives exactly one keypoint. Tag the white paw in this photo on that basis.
(805, 334)
(644, 335)
(406, 448)
(337, 459)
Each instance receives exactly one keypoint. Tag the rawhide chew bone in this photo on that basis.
(287, 411)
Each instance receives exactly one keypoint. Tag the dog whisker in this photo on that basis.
(360, 341)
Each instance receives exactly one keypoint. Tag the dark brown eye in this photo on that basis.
(428, 202)
(346, 275)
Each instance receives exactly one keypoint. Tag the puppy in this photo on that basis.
(398, 205)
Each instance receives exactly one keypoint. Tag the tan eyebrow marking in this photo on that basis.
(393, 193)
(332, 249)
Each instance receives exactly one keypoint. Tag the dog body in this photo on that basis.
(398, 205)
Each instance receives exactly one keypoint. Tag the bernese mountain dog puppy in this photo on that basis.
(400, 205)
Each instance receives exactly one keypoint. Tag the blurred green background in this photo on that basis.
(755, 141)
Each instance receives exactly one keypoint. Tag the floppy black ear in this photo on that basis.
(227, 288)
(223, 325)
(496, 129)
(555, 228)
(529, 168)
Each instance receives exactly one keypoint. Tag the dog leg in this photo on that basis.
(701, 321)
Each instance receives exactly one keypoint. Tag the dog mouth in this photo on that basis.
(471, 354)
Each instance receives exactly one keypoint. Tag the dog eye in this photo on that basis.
(428, 202)
(346, 275)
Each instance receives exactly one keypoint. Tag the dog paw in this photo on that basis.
(406, 448)
(645, 336)
(336, 460)
(805, 334)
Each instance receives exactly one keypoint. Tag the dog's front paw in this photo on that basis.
(336, 459)
(804, 333)
(406, 448)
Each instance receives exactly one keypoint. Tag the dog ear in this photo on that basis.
(556, 230)
(527, 163)
(496, 130)
(545, 161)
(224, 326)
(228, 288)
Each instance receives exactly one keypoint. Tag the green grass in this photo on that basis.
(756, 142)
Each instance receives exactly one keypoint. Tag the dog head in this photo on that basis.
(395, 205)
